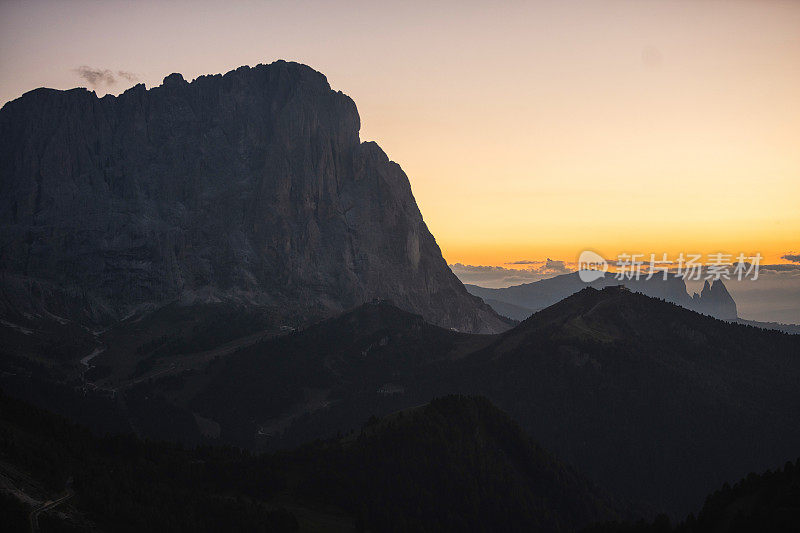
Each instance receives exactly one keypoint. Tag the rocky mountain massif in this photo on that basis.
(250, 187)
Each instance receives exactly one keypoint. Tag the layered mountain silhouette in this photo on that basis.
(649, 400)
(456, 464)
(225, 262)
(485, 473)
(653, 401)
(250, 187)
(521, 301)
(657, 401)
(333, 375)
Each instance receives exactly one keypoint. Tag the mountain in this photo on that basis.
(344, 370)
(250, 187)
(515, 312)
(456, 464)
(650, 400)
(769, 501)
(715, 300)
(187, 374)
(655, 402)
(521, 301)
(792, 329)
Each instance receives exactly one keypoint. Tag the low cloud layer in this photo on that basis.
(496, 276)
(548, 264)
(552, 265)
(103, 77)
(773, 297)
(525, 262)
(794, 258)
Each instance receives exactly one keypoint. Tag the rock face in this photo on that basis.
(715, 300)
(251, 186)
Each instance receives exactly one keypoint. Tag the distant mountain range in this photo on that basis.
(250, 188)
(521, 301)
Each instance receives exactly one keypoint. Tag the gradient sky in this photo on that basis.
(528, 130)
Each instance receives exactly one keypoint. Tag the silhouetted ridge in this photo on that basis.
(620, 313)
(769, 501)
(520, 301)
(647, 398)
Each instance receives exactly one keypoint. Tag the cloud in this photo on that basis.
(99, 77)
(794, 258)
(96, 76)
(493, 276)
(127, 76)
(548, 265)
(497, 276)
(556, 266)
(525, 262)
(773, 297)
(785, 267)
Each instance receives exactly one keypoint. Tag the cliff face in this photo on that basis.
(251, 186)
(715, 300)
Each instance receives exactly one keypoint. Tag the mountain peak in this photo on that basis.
(173, 80)
(610, 313)
(715, 300)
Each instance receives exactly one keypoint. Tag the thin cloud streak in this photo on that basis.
(103, 77)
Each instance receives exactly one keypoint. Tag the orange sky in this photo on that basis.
(530, 130)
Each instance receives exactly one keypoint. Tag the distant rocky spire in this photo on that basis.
(715, 300)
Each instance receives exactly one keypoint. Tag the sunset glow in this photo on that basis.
(534, 141)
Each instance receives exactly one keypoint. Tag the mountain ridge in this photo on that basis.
(520, 301)
(606, 378)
